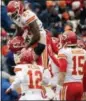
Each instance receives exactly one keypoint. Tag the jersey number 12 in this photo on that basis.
(35, 78)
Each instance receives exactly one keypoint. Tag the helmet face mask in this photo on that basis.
(14, 15)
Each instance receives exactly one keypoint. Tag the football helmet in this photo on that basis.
(15, 8)
(68, 38)
(16, 44)
(27, 56)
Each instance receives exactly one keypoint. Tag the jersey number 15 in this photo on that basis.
(78, 63)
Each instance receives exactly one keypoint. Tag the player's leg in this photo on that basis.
(67, 93)
(84, 88)
(79, 91)
(72, 91)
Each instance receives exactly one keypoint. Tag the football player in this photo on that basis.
(52, 49)
(32, 78)
(72, 65)
(28, 20)
(53, 66)
(16, 44)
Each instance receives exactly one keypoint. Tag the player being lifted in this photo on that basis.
(26, 20)
(72, 65)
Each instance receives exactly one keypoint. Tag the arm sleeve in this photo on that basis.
(62, 60)
(54, 47)
(62, 64)
(51, 53)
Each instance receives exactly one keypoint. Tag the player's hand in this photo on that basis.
(8, 91)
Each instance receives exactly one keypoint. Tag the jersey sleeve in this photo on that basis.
(18, 68)
(62, 53)
(17, 81)
(28, 17)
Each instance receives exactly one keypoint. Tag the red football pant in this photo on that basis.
(72, 91)
(84, 83)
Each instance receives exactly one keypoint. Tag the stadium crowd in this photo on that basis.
(58, 17)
